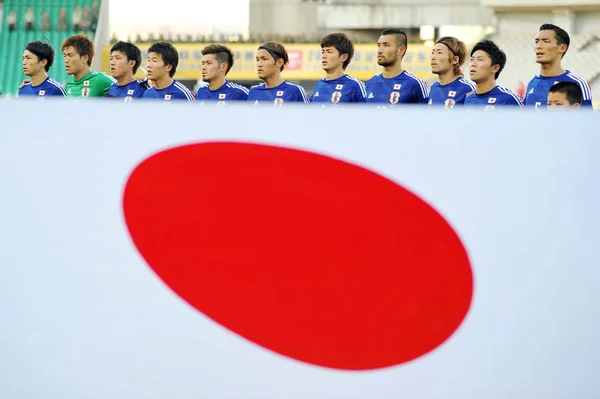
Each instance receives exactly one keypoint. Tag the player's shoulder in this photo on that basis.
(436, 85)
(260, 86)
(509, 95)
(468, 85)
(353, 81)
(472, 93)
(413, 78)
(294, 86)
(374, 78)
(183, 90)
(575, 78)
(237, 87)
(150, 92)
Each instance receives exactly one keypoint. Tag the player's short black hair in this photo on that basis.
(43, 51)
(401, 38)
(342, 44)
(277, 51)
(169, 54)
(498, 57)
(131, 51)
(562, 37)
(82, 44)
(571, 90)
(222, 53)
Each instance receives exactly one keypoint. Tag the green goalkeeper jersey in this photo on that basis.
(94, 84)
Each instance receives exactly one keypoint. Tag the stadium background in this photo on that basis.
(299, 24)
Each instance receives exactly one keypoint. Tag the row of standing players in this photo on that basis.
(554, 86)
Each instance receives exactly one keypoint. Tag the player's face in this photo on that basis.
(441, 59)
(156, 67)
(31, 64)
(480, 67)
(559, 100)
(330, 59)
(546, 47)
(119, 65)
(387, 50)
(266, 65)
(74, 63)
(210, 67)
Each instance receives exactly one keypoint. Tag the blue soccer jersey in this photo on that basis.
(128, 92)
(285, 92)
(405, 88)
(345, 89)
(451, 94)
(175, 91)
(48, 87)
(227, 92)
(498, 96)
(539, 86)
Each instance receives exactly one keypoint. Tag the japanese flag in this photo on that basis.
(339, 262)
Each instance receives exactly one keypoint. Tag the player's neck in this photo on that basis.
(79, 75)
(38, 79)
(216, 83)
(163, 82)
(485, 86)
(552, 69)
(335, 74)
(273, 81)
(392, 71)
(448, 77)
(125, 80)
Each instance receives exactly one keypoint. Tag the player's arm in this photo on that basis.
(360, 95)
(422, 92)
(105, 82)
(301, 95)
(239, 95)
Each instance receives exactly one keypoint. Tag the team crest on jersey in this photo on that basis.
(128, 99)
(130, 92)
(86, 83)
(452, 94)
(492, 100)
(397, 86)
(394, 97)
(449, 103)
(336, 96)
(339, 87)
(280, 93)
(278, 101)
(42, 92)
(222, 96)
(167, 97)
(85, 92)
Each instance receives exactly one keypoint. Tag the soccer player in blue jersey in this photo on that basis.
(551, 45)
(487, 61)
(38, 57)
(163, 59)
(395, 85)
(217, 61)
(271, 58)
(447, 56)
(125, 60)
(337, 86)
(565, 95)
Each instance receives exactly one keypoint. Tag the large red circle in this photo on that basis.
(309, 256)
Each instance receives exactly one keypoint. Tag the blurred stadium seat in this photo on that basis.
(12, 43)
